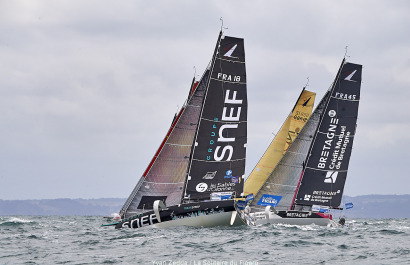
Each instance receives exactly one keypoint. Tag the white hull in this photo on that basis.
(296, 221)
(305, 218)
(219, 219)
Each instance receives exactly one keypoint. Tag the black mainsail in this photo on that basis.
(324, 176)
(218, 158)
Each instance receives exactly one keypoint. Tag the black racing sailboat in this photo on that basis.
(310, 178)
(197, 172)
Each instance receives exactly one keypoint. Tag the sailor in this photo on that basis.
(247, 213)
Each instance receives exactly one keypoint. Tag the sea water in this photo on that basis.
(81, 240)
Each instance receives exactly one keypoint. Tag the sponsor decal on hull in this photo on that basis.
(178, 212)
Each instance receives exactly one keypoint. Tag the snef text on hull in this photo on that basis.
(204, 214)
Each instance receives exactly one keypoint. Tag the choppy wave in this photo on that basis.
(81, 240)
(13, 221)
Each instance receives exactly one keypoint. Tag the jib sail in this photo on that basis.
(165, 176)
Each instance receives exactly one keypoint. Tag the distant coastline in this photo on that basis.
(365, 206)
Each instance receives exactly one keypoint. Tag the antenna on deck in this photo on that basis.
(307, 83)
(346, 52)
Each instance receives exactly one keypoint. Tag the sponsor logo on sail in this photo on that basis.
(219, 196)
(307, 197)
(269, 200)
(210, 175)
(349, 77)
(223, 141)
(330, 135)
(226, 186)
(306, 102)
(235, 179)
(229, 53)
(331, 177)
(201, 187)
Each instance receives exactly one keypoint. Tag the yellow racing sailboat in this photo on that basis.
(280, 144)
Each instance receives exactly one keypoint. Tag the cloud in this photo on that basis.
(88, 89)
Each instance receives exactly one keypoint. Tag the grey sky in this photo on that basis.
(89, 88)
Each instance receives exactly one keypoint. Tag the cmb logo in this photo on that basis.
(331, 177)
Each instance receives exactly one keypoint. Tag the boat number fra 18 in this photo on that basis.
(225, 77)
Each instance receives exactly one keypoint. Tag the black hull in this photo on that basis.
(178, 214)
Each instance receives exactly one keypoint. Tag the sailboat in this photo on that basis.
(308, 181)
(198, 170)
(293, 124)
